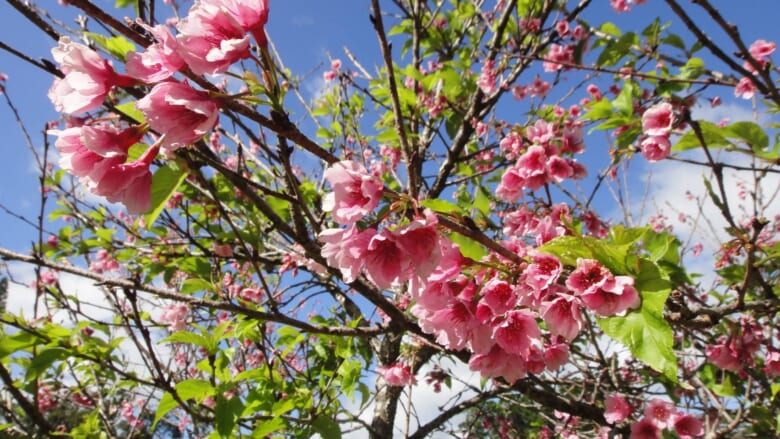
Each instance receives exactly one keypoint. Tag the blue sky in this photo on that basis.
(303, 32)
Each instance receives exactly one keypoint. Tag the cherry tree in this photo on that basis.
(463, 232)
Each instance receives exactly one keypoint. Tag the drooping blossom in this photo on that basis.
(419, 241)
(761, 49)
(385, 260)
(174, 316)
(346, 250)
(655, 148)
(159, 61)
(558, 57)
(251, 15)
(88, 152)
(211, 39)
(614, 299)
(745, 89)
(499, 363)
(88, 78)
(660, 412)
(498, 297)
(397, 374)
(687, 426)
(128, 183)
(355, 192)
(562, 316)
(658, 120)
(772, 364)
(644, 429)
(588, 277)
(556, 355)
(180, 113)
(616, 409)
(517, 331)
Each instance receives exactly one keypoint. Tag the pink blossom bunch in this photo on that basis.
(174, 316)
(661, 415)
(88, 78)
(397, 374)
(760, 51)
(558, 58)
(657, 124)
(737, 350)
(355, 192)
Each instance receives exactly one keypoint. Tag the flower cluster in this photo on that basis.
(657, 123)
(493, 315)
(213, 36)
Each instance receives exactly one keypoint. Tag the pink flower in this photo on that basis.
(557, 57)
(516, 332)
(687, 426)
(384, 261)
(615, 298)
(251, 15)
(745, 89)
(644, 429)
(542, 272)
(656, 148)
(660, 412)
(397, 374)
(772, 364)
(616, 409)
(159, 61)
(174, 315)
(562, 316)
(88, 78)
(588, 277)
(761, 49)
(81, 160)
(211, 39)
(355, 192)
(724, 357)
(658, 120)
(346, 250)
(498, 297)
(556, 356)
(180, 113)
(499, 363)
(128, 183)
(419, 240)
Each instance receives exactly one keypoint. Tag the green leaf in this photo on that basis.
(441, 206)
(15, 343)
(165, 181)
(194, 389)
(692, 69)
(468, 247)
(226, 413)
(751, 133)
(188, 338)
(130, 110)
(644, 331)
(117, 46)
(43, 360)
(326, 427)
(717, 380)
(166, 404)
(265, 428)
(624, 102)
(714, 137)
(194, 285)
(482, 200)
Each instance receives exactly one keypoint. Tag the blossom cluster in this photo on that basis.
(657, 123)
(214, 35)
(497, 318)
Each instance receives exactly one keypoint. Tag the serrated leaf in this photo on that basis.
(166, 404)
(751, 133)
(644, 331)
(129, 109)
(265, 428)
(186, 337)
(468, 247)
(194, 389)
(441, 206)
(165, 181)
(326, 427)
(43, 360)
(714, 137)
(194, 285)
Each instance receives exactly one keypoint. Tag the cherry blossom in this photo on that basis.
(397, 374)
(355, 192)
(159, 61)
(658, 120)
(655, 148)
(88, 78)
(180, 113)
(616, 409)
(211, 39)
